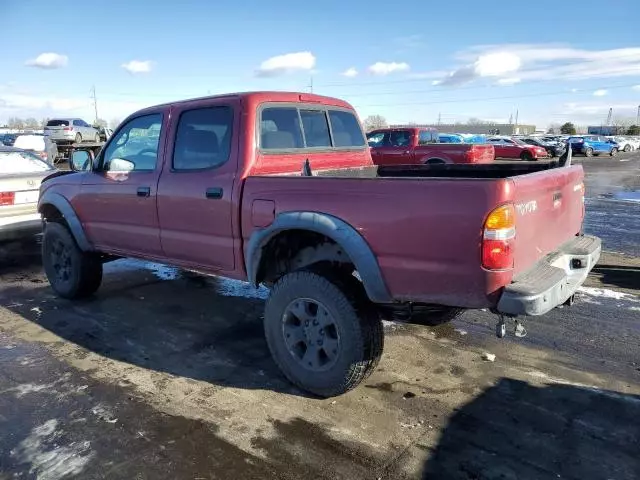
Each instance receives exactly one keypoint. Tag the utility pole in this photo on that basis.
(439, 118)
(310, 84)
(95, 102)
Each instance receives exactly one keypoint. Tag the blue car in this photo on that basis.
(590, 145)
(450, 138)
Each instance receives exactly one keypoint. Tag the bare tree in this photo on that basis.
(15, 122)
(114, 122)
(373, 122)
(31, 123)
(554, 128)
(100, 122)
(44, 121)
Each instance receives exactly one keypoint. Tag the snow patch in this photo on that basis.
(606, 293)
(104, 414)
(48, 459)
(27, 388)
(235, 288)
(627, 196)
(163, 272)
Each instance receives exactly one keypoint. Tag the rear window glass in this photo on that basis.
(12, 163)
(346, 129)
(316, 129)
(427, 136)
(280, 129)
(58, 123)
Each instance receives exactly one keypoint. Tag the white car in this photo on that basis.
(627, 144)
(38, 144)
(71, 130)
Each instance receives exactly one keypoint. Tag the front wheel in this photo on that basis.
(78, 138)
(627, 148)
(614, 152)
(325, 339)
(97, 138)
(526, 156)
(71, 272)
(588, 152)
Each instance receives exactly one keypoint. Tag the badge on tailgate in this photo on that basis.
(527, 207)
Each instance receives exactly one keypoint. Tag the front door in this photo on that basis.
(195, 193)
(117, 201)
(396, 149)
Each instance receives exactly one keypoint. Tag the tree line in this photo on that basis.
(570, 129)
(31, 123)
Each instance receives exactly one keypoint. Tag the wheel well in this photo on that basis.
(51, 214)
(299, 249)
(434, 161)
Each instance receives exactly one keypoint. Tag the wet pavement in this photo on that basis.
(166, 375)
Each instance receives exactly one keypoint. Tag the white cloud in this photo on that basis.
(138, 66)
(509, 80)
(636, 88)
(600, 93)
(48, 61)
(385, 68)
(287, 63)
(350, 72)
(496, 64)
(574, 90)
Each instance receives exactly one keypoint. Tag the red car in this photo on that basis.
(279, 189)
(507, 147)
(414, 145)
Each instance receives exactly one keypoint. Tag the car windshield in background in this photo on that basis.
(58, 123)
(518, 141)
(13, 163)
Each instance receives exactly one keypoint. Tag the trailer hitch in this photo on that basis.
(501, 327)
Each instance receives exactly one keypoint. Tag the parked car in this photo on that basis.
(590, 145)
(71, 130)
(507, 147)
(414, 145)
(20, 175)
(42, 146)
(279, 189)
(553, 149)
(104, 133)
(625, 144)
(8, 139)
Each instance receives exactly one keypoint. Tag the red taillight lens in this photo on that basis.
(7, 198)
(497, 254)
(68, 129)
(498, 237)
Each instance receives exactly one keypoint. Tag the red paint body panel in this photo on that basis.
(414, 153)
(426, 233)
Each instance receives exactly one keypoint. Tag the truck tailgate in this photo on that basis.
(549, 211)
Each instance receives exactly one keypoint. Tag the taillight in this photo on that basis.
(7, 198)
(498, 237)
(68, 129)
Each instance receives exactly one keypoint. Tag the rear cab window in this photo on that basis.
(308, 128)
(425, 137)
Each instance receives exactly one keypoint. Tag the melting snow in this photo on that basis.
(236, 288)
(163, 272)
(606, 293)
(48, 459)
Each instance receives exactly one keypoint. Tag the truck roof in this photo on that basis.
(264, 96)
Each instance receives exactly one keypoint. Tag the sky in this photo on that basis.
(417, 61)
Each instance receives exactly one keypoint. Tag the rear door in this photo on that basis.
(195, 203)
(55, 128)
(549, 211)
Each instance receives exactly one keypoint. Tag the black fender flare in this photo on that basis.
(332, 227)
(69, 214)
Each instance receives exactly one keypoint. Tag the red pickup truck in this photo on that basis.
(279, 189)
(414, 145)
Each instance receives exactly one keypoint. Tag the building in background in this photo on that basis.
(606, 130)
(487, 129)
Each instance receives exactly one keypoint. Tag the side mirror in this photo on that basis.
(81, 160)
(121, 165)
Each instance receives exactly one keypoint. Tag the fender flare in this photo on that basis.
(69, 214)
(332, 227)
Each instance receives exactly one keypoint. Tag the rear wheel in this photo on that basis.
(78, 138)
(96, 139)
(588, 152)
(613, 152)
(526, 156)
(71, 272)
(325, 338)
(627, 148)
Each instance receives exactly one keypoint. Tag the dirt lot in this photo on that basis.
(166, 375)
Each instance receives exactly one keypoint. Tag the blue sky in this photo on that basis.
(412, 62)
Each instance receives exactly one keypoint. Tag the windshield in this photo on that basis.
(12, 163)
(517, 141)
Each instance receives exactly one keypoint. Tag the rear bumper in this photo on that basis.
(553, 280)
(20, 226)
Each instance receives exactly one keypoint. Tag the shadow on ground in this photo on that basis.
(619, 275)
(518, 431)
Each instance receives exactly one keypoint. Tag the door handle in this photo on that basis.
(214, 193)
(144, 191)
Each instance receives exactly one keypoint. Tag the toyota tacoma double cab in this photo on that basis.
(279, 189)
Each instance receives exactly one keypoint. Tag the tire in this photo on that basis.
(97, 138)
(78, 138)
(352, 326)
(81, 273)
(432, 317)
(588, 152)
(613, 152)
(627, 148)
(526, 156)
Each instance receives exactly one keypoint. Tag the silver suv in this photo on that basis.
(76, 130)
